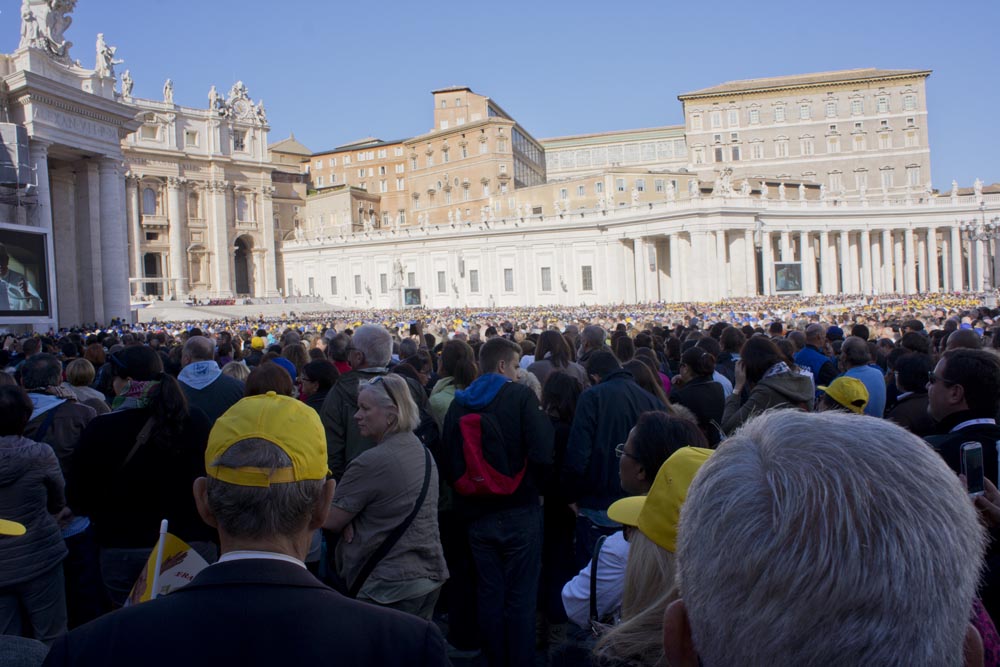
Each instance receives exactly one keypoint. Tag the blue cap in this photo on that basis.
(287, 365)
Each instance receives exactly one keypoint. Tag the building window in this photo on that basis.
(754, 116)
(382, 153)
(357, 284)
(735, 153)
(333, 162)
(911, 139)
(804, 112)
(508, 280)
(442, 288)
(465, 151)
(430, 159)
(400, 184)
(882, 104)
(383, 185)
(150, 132)
(620, 184)
(861, 180)
(411, 279)
(361, 173)
(444, 156)
(757, 150)
(483, 147)
(347, 160)
(398, 151)
(696, 123)
(806, 146)
(659, 185)
(733, 118)
(859, 142)
(909, 102)
(501, 145)
(831, 109)
(640, 184)
(587, 278)
(319, 180)
(720, 155)
(381, 170)
(190, 138)
(149, 201)
(486, 189)
(474, 280)
(836, 181)
(383, 283)
(913, 176)
(598, 187)
(546, 279)
(563, 193)
(887, 179)
(833, 145)
(779, 113)
(884, 141)
(699, 155)
(715, 119)
(333, 285)
(581, 190)
(239, 140)
(781, 148)
(857, 107)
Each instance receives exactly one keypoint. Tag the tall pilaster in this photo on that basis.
(898, 265)
(888, 281)
(767, 250)
(639, 266)
(750, 273)
(786, 247)
(826, 264)
(38, 151)
(675, 267)
(808, 264)
(222, 253)
(114, 240)
(921, 237)
(134, 231)
(176, 214)
(270, 256)
(722, 273)
(844, 255)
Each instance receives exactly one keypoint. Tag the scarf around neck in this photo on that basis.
(136, 395)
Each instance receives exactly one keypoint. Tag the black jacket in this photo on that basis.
(604, 415)
(527, 435)
(911, 413)
(949, 444)
(248, 613)
(706, 399)
(216, 398)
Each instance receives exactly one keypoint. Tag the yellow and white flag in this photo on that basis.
(171, 565)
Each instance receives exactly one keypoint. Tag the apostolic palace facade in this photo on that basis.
(812, 184)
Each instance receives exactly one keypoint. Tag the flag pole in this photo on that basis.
(160, 545)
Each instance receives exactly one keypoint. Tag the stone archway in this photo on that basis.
(244, 278)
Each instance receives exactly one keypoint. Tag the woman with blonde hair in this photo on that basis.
(390, 486)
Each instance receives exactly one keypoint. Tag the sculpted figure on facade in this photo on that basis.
(802, 192)
(451, 217)
(763, 190)
(671, 191)
(694, 188)
(106, 58)
(214, 99)
(127, 84)
(781, 192)
(745, 188)
(822, 192)
(260, 113)
(978, 189)
(168, 91)
(43, 24)
(954, 189)
(635, 196)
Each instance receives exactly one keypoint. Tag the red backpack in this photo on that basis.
(487, 467)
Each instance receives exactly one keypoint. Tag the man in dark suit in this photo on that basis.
(266, 492)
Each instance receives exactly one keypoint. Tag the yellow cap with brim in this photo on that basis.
(11, 528)
(658, 513)
(848, 392)
(289, 424)
(257, 343)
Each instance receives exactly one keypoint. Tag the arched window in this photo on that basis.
(193, 208)
(149, 201)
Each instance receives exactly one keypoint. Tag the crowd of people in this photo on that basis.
(769, 481)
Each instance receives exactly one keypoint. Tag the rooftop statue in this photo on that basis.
(43, 24)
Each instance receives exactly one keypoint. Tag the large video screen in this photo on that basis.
(411, 296)
(787, 277)
(24, 273)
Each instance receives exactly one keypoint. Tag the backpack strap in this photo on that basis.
(141, 439)
(393, 537)
(593, 579)
(43, 428)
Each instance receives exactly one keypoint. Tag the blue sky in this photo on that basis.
(333, 71)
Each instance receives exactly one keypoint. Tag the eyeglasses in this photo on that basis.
(381, 380)
(931, 379)
(620, 452)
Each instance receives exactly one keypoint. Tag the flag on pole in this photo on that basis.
(171, 565)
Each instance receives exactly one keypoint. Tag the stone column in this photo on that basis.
(639, 265)
(270, 256)
(887, 272)
(826, 264)
(956, 259)
(808, 264)
(675, 267)
(898, 265)
(722, 282)
(866, 262)
(750, 252)
(932, 260)
(176, 213)
(220, 247)
(979, 255)
(114, 240)
(946, 262)
(844, 257)
(38, 151)
(135, 235)
(910, 265)
(922, 261)
(768, 262)
(63, 185)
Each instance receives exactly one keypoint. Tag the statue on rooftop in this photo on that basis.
(168, 91)
(127, 84)
(43, 24)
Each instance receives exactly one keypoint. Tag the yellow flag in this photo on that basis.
(179, 566)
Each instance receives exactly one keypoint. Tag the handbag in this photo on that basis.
(578, 647)
(390, 541)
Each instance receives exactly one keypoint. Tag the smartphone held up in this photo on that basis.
(972, 468)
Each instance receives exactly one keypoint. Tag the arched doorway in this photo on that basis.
(152, 267)
(244, 266)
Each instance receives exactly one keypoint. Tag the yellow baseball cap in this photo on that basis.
(658, 513)
(257, 343)
(290, 424)
(849, 392)
(11, 528)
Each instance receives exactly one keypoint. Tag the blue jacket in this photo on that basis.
(604, 415)
(810, 357)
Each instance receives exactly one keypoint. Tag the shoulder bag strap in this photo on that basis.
(393, 537)
(43, 428)
(140, 440)
(593, 579)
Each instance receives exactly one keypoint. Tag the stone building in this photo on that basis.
(200, 199)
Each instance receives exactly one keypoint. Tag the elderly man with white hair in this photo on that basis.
(825, 539)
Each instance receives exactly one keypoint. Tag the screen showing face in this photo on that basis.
(787, 277)
(24, 276)
(972, 459)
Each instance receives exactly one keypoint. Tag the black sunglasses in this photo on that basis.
(932, 379)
